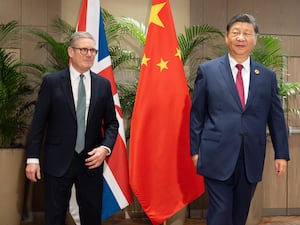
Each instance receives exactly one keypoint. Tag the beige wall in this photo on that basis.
(136, 9)
(140, 10)
(70, 10)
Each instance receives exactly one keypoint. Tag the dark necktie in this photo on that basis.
(80, 113)
(239, 84)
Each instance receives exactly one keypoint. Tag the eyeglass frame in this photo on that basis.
(84, 51)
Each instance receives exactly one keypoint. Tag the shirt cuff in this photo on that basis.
(108, 149)
(33, 160)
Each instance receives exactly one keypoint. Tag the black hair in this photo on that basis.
(244, 18)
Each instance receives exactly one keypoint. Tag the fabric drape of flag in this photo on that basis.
(161, 171)
(116, 190)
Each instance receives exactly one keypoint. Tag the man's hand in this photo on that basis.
(97, 156)
(195, 159)
(33, 172)
(280, 166)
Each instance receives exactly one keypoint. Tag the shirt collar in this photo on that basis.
(75, 74)
(233, 62)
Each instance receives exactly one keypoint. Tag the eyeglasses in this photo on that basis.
(84, 51)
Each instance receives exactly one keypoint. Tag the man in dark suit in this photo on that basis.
(228, 124)
(67, 159)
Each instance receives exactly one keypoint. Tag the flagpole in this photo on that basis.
(148, 13)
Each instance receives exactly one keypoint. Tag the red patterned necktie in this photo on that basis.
(239, 84)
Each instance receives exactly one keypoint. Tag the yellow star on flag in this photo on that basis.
(145, 60)
(162, 65)
(178, 53)
(154, 18)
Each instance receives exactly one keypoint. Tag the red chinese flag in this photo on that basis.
(161, 171)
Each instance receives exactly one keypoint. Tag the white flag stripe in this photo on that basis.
(101, 65)
(117, 100)
(112, 183)
(92, 20)
(73, 207)
(120, 120)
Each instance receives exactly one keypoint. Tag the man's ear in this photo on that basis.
(70, 52)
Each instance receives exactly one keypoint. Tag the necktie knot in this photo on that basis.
(239, 67)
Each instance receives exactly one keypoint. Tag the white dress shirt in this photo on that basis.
(75, 78)
(245, 73)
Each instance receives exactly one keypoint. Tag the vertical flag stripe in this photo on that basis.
(114, 163)
(113, 184)
(81, 26)
(105, 72)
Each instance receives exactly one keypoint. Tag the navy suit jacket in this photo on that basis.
(55, 119)
(219, 125)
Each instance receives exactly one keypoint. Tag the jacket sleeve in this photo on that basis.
(39, 121)
(277, 125)
(198, 112)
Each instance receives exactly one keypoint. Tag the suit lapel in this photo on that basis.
(254, 76)
(229, 81)
(94, 94)
(67, 88)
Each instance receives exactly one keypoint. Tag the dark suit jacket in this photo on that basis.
(219, 124)
(55, 111)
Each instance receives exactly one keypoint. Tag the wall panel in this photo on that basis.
(293, 198)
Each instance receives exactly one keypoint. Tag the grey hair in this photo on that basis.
(78, 35)
(245, 18)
